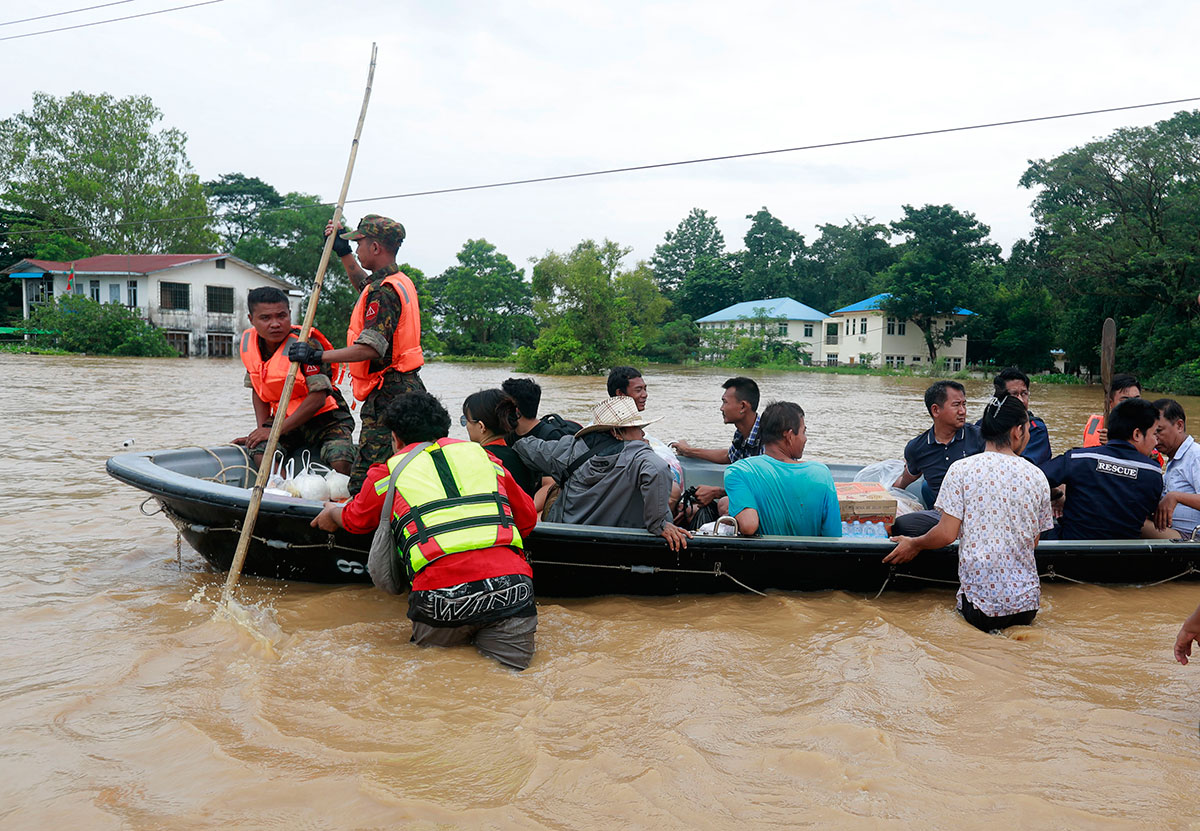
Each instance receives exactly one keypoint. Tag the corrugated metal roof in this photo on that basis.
(123, 263)
(872, 304)
(776, 307)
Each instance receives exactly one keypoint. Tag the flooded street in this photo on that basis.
(124, 706)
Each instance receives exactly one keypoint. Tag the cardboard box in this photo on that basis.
(866, 502)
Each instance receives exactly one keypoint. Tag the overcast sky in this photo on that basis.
(469, 93)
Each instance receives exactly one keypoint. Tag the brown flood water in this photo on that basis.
(125, 706)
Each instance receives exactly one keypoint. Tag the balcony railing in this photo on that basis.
(831, 340)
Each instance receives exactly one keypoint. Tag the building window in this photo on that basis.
(43, 290)
(131, 294)
(220, 346)
(94, 289)
(220, 264)
(916, 359)
(175, 296)
(862, 326)
(853, 326)
(889, 361)
(901, 326)
(808, 330)
(180, 342)
(831, 359)
(957, 364)
(77, 287)
(220, 299)
(891, 329)
(783, 329)
(114, 292)
(899, 360)
(831, 334)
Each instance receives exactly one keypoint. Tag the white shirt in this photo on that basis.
(1183, 475)
(1004, 504)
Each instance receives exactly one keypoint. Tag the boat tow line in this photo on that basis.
(195, 527)
(717, 571)
(1049, 574)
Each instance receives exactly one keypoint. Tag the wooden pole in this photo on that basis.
(256, 494)
(1108, 352)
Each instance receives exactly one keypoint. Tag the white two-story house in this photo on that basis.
(863, 331)
(199, 300)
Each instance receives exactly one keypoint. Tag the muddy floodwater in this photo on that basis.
(123, 705)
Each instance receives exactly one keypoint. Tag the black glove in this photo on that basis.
(302, 353)
(341, 247)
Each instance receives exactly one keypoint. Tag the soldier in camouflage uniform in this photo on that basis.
(383, 310)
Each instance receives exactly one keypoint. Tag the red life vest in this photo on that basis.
(1090, 437)
(406, 339)
(267, 377)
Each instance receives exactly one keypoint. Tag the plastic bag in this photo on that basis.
(724, 526)
(275, 480)
(667, 455)
(339, 486)
(310, 481)
(885, 473)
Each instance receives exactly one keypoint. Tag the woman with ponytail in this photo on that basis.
(490, 417)
(996, 504)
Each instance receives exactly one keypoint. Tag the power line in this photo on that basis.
(635, 168)
(110, 20)
(70, 11)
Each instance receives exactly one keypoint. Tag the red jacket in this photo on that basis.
(361, 516)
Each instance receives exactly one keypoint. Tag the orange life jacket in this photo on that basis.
(1091, 430)
(406, 340)
(267, 377)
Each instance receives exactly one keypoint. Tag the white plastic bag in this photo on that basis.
(668, 455)
(275, 480)
(339, 486)
(885, 473)
(310, 482)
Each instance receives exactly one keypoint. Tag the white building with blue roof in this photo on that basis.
(864, 329)
(797, 322)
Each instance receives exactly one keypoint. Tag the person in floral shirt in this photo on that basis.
(996, 504)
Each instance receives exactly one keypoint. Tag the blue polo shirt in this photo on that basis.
(1038, 449)
(926, 456)
(1111, 491)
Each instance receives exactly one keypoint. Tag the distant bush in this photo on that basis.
(81, 324)
(1179, 380)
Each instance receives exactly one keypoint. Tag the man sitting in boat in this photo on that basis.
(930, 454)
(316, 417)
(607, 473)
(1179, 508)
(453, 521)
(528, 395)
(739, 407)
(628, 381)
(1014, 382)
(1111, 490)
(777, 492)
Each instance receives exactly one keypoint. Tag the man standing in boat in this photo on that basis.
(383, 344)
(450, 521)
(317, 416)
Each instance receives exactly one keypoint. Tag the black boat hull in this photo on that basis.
(581, 561)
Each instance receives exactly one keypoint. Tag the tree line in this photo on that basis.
(1116, 232)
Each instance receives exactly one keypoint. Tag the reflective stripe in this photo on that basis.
(1118, 460)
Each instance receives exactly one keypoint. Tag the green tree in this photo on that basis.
(482, 306)
(1119, 219)
(774, 262)
(81, 324)
(238, 201)
(696, 238)
(711, 285)
(586, 323)
(644, 303)
(97, 162)
(678, 341)
(848, 260)
(944, 264)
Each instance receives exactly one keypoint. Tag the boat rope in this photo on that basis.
(1049, 574)
(161, 507)
(717, 571)
(330, 544)
(179, 550)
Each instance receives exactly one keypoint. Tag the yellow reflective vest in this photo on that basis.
(456, 502)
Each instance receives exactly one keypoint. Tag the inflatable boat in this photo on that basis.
(204, 493)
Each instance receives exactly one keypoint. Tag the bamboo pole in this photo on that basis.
(256, 494)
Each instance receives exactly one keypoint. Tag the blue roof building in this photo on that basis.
(796, 322)
(863, 333)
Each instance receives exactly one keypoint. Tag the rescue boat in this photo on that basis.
(204, 494)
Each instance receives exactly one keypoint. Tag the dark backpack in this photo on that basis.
(560, 426)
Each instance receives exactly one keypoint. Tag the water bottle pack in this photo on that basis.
(873, 530)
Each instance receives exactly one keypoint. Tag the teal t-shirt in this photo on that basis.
(792, 498)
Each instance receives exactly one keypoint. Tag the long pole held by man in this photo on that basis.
(256, 493)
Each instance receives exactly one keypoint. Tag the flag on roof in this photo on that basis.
(71, 279)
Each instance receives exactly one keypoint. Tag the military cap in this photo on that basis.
(388, 231)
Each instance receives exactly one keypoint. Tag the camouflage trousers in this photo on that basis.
(375, 440)
(328, 436)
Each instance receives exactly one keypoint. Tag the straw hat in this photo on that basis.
(615, 413)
